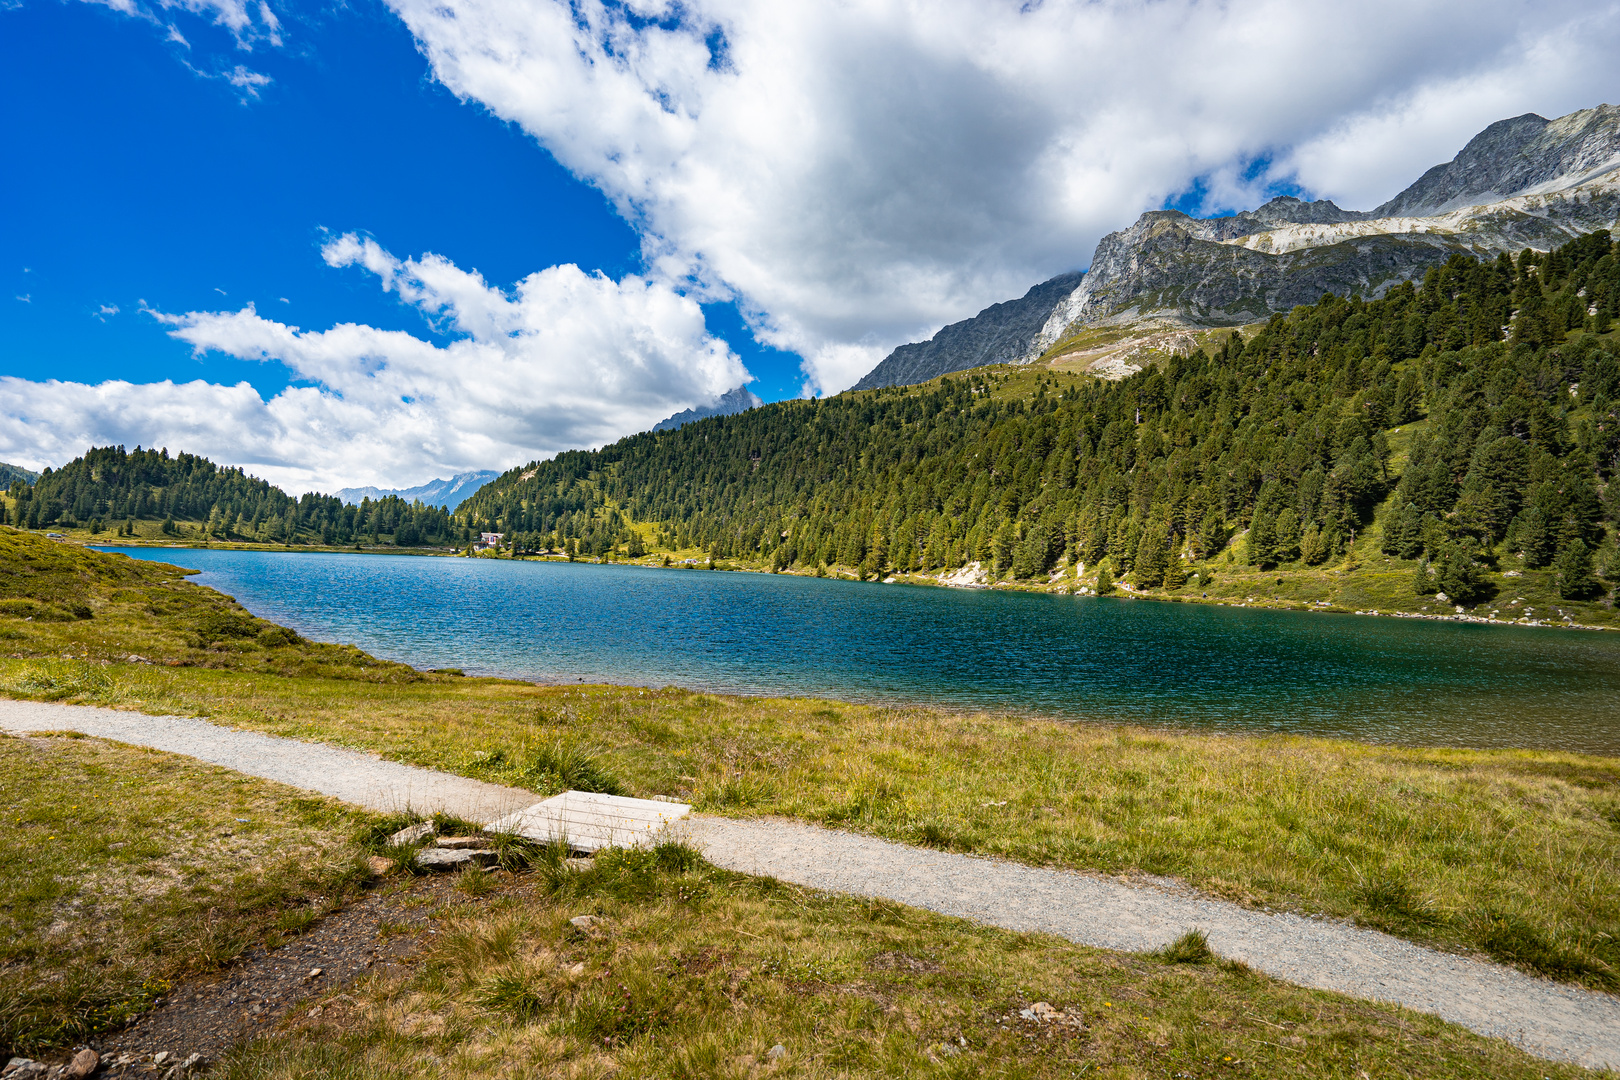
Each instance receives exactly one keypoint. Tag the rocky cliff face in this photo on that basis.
(1524, 182)
(1001, 333)
(1523, 156)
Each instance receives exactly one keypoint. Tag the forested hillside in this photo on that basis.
(109, 488)
(1499, 379)
(10, 474)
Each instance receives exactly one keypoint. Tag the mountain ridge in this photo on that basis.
(999, 333)
(1523, 182)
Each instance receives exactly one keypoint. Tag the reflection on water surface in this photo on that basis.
(1380, 679)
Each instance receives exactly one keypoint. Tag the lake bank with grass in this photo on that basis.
(1201, 667)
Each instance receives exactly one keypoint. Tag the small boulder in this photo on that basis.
(184, 1068)
(378, 865)
(412, 833)
(579, 865)
(777, 1052)
(587, 924)
(83, 1064)
(460, 842)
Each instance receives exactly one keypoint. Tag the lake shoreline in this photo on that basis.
(1123, 589)
(1209, 666)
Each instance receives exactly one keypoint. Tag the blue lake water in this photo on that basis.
(1221, 668)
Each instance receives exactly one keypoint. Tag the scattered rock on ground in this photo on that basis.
(1043, 1012)
(379, 865)
(588, 924)
(412, 833)
(460, 842)
(777, 1052)
(579, 864)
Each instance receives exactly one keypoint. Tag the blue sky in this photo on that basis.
(385, 240)
(135, 179)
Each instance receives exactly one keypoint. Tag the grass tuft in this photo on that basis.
(1190, 948)
(1391, 900)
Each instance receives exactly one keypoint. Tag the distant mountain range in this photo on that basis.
(732, 401)
(1522, 183)
(448, 494)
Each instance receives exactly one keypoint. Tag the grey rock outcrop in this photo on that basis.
(1522, 156)
(1524, 182)
(1000, 333)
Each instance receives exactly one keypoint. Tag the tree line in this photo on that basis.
(1282, 436)
(110, 487)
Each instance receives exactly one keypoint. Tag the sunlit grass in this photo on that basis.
(122, 870)
(1439, 845)
(691, 972)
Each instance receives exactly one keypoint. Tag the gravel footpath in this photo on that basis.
(1550, 1020)
(358, 778)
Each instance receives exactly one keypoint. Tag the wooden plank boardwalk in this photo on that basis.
(589, 821)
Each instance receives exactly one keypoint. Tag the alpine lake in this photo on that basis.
(1206, 667)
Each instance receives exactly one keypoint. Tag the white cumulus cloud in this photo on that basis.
(563, 359)
(858, 173)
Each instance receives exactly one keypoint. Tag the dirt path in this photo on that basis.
(1545, 1018)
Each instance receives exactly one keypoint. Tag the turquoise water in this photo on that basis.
(1220, 668)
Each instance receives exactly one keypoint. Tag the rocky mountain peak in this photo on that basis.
(1528, 154)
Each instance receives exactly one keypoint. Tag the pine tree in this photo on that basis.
(1574, 571)
(1460, 578)
(1422, 583)
(1152, 552)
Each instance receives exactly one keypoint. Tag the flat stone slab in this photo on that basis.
(589, 821)
(437, 858)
